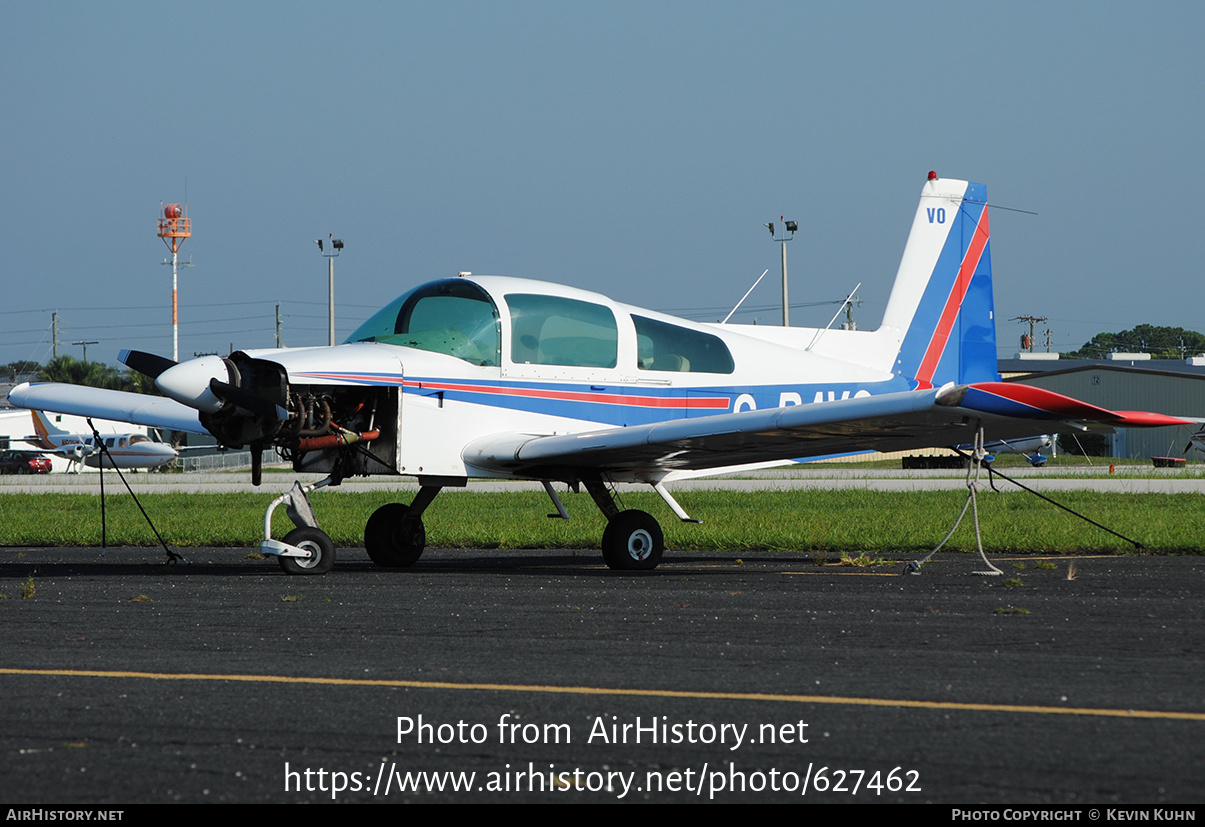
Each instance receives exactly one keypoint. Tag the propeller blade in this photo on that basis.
(148, 364)
(256, 404)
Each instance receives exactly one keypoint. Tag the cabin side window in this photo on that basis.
(452, 316)
(553, 330)
(663, 346)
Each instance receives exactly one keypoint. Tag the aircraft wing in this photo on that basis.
(889, 422)
(99, 403)
(64, 451)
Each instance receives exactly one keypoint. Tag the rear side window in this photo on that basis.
(552, 330)
(663, 346)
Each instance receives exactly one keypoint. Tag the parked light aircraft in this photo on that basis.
(1030, 448)
(509, 378)
(131, 450)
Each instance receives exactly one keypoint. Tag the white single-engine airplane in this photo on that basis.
(1030, 448)
(504, 377)
(132, 450)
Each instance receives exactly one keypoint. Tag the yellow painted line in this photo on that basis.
(640, 693)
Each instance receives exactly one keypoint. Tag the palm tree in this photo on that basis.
(93, 374)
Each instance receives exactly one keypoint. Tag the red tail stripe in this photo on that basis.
(949, 314)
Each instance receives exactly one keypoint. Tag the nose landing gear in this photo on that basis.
(306, 549)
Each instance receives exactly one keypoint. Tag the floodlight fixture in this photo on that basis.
(791, 227)
(336, 248)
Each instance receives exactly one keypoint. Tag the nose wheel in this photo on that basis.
(317, 543)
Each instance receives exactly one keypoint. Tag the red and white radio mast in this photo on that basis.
(174, 227)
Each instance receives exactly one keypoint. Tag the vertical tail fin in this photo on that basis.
(43, 428)
(941, 304)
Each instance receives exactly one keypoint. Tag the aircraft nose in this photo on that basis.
(188, 382)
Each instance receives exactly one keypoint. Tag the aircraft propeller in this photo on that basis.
(239, 401)
(213, 386)
(148, 364)
(251, 402)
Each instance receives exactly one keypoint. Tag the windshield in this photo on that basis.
(452, 316)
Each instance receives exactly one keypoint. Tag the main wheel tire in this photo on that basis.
(392, 541)
(633, 541)
(318, 543)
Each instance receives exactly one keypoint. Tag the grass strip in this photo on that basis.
(848, 520)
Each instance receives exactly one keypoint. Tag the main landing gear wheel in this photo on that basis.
(633, 541)
(317, 543)
(392, 541)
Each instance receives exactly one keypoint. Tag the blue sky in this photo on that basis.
(635, 149)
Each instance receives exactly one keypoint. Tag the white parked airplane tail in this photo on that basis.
(44, 428)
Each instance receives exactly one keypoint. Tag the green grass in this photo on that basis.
(841, 521)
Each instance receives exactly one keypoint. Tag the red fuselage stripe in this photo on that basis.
(717, 403)
(710, 402)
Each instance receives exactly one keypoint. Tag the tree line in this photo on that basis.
(1160, 342)
(77, 372)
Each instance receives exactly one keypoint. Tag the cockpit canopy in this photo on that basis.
(457, 317)
(451, 316)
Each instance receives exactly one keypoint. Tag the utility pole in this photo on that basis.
(1032, 321)
(278, 325)
(54, 327)
(850, 324)
(788, 227)
(85, 344)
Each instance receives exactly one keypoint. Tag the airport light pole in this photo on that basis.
(788, 227)
(336, 248)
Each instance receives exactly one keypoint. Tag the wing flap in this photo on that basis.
(79, 400)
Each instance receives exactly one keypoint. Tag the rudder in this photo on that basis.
(43, 428)
(942, 298)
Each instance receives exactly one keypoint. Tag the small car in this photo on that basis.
(16, 462)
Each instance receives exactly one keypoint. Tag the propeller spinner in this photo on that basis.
(188, 382)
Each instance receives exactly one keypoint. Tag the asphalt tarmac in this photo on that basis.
(544, 677)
